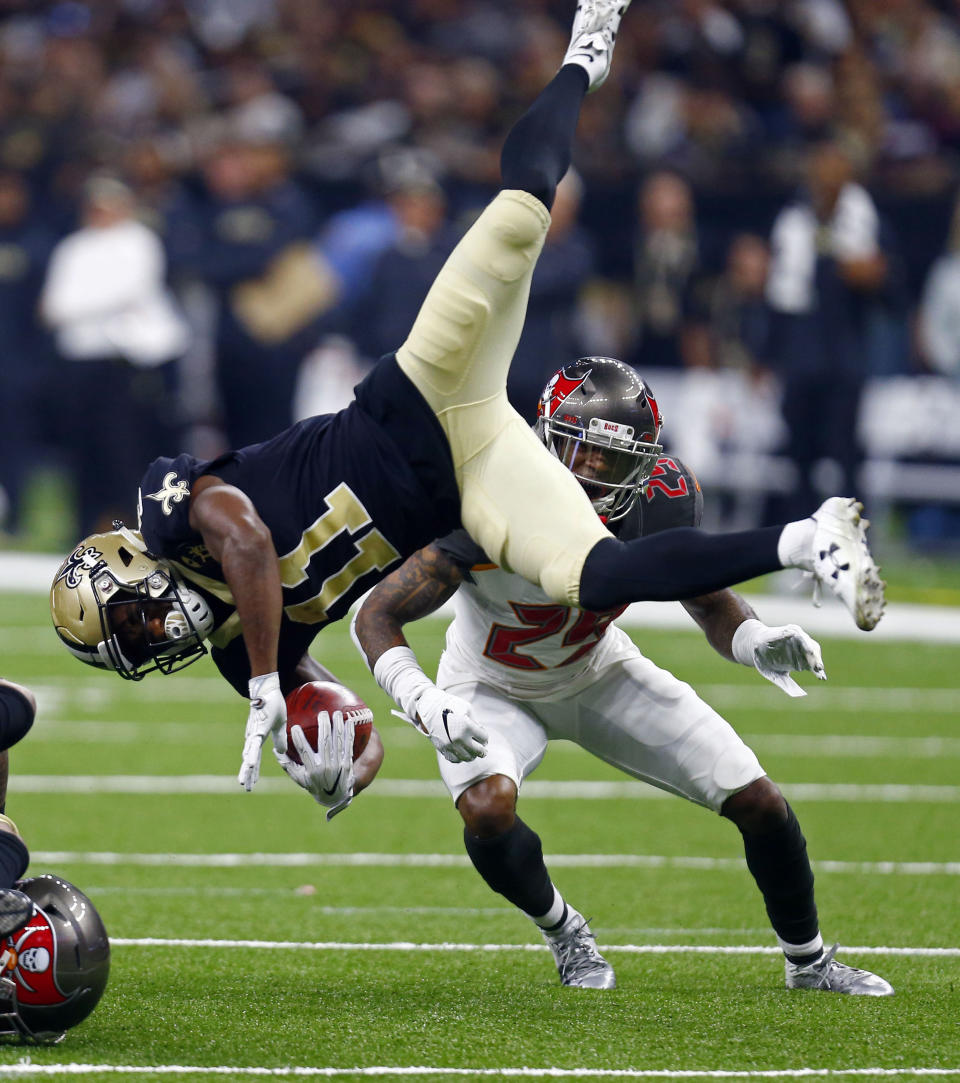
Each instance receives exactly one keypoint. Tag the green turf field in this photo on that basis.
(253, 939)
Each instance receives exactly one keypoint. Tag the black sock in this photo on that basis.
(16, 716)
(680, 563)
(781, 868)
(538, 148)
(512, 864)
(14, 858)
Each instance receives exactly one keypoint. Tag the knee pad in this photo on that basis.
(513, 228)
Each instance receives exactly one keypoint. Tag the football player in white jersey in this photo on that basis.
(520, 670)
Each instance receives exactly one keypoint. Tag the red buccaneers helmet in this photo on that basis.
(53, 969)
(603, 423)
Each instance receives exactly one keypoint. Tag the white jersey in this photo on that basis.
(509, 634)
(533, 672)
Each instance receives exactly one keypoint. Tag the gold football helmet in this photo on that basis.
(116, 607)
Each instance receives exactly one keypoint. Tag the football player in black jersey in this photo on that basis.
(259, 549)
(519, 671)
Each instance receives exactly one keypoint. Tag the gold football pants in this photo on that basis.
(518, 502)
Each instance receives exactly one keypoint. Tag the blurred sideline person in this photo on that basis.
(828, 269)
(119, 336)
(261, 548)
(54, 951)
(666, 266)
(527, 671)
(246, 236)
(25, 244)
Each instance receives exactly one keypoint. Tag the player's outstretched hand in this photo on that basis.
(775, 652)
(326, 773)
(267, 718)
(446, 719)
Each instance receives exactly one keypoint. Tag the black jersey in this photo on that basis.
(346, 497)
(671, 498)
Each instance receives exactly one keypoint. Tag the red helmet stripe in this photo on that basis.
(560, 388)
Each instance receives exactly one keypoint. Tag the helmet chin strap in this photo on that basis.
(110, 660)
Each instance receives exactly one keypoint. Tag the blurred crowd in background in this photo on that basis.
(215, 214)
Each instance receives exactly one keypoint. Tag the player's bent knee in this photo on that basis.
(511, 234)
(758, 808)
(488, 807)
(475, 307)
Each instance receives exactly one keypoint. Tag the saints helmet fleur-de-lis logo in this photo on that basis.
(82, 559)
(170, 492)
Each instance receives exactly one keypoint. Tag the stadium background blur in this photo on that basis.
(307, 166)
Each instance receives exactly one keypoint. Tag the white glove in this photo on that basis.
(446, 719)
(774, 652)
(267, 718)
(327, 774)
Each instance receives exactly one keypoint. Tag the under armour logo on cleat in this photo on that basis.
(837, 566)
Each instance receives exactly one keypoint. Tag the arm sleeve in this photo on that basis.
(462, 550)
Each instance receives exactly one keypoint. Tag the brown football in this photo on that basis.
(306, 703)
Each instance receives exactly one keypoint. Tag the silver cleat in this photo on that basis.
(842, 561)
(591, 39)
(829, 976)
(579, 963)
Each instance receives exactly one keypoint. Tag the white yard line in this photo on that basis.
(834, 745)
(425, 861)
(882, 793)
(449, 946)
(59, 699)
(24, 1069)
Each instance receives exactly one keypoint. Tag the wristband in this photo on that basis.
(398, 673)
(264, 685)
(745, 641)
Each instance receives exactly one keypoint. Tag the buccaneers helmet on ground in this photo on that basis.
(601, 403)
(110, 582)
(53, 969)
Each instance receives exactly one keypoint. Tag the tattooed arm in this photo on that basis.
(416, 589)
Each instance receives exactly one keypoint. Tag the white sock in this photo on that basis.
(554, 914)
(812, 947)
(795, 545)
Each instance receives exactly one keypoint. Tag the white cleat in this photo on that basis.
(579, 963)
(591, 40)
(829, 976)
(842, 561)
